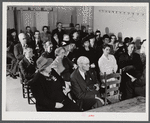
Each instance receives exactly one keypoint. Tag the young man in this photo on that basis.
(59, 31)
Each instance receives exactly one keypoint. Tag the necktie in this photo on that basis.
(85, 75)
(31, 61)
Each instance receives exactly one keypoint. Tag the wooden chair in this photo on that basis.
(111, 80)
(26, 90)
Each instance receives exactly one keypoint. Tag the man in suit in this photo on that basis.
(18, 48)
(27, 64)
(59, 31)
(29, 34)
(85, 85)
(48, 50)
(36, 44)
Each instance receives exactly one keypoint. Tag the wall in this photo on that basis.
(121, 24)
(85, 15)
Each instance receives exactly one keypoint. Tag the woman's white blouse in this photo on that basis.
(107, 65)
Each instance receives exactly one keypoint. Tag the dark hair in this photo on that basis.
(45, 27)
(71, 25)
(113, 35)
(77, 24)
(58, 23)
(36, 31)
(13, 30)
(105, 36)
(106, 45)
(130, 43)
(28, 27)
(97, 31)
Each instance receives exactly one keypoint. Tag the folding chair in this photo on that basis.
(107, 81)
(26, 90)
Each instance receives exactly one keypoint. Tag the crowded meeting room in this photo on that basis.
(68, 58)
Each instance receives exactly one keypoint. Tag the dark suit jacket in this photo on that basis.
(60, 35)
(18, 51)
(79, 86)
(39, 51)
(27, 69)
(47, 91)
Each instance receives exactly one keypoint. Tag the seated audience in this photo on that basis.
(47, 88)
(85, 85)
(130, 63)
(45, 35)
(28, 65)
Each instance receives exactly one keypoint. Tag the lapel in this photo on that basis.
(81, 81)
(20, 48)
(27, 62)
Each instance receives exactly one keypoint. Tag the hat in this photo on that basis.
(43, 62)
(91, 36)
(86, 38)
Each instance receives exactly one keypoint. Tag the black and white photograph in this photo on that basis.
(75, 61)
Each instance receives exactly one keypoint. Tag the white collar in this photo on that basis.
(82, 73)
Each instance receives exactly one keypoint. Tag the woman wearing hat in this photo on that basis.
(47, 88)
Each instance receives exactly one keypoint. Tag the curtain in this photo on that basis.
(28, 19)
(41, 20)
(10, 19)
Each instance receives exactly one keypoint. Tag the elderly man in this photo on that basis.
(27, 64)
(85, 85)
(18, 48)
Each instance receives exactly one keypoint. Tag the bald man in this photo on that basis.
(18, 48)
(85, 85)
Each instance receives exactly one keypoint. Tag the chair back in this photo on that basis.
(111, 83)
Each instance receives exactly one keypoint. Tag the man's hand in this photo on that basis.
(98, 98)
(97, 87)
(58, 105)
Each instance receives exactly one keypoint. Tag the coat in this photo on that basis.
(27, 69)
(18, 51)
(48, 90)
(79, 86)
